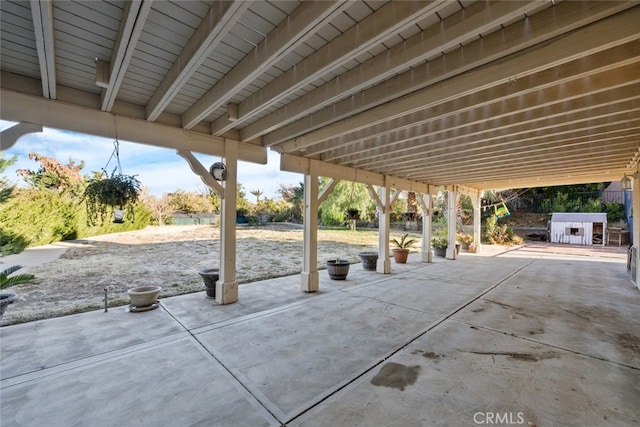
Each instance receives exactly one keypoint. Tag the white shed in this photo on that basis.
(578, 228)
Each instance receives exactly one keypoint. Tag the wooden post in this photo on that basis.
(477, 222)
(309, 278)
(227, 285)
(451, 224)
(426, 201)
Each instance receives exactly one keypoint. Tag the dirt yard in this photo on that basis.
(170, 257)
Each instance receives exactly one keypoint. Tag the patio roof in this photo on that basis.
(481, 94)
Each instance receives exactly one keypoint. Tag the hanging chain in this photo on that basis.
(116, 154)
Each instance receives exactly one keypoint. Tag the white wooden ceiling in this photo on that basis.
(483, 94)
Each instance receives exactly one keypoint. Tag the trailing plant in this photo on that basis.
(6, 281)
(102, 195)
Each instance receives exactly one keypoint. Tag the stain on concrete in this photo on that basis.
(478, 310)
(428, 354)
(629, 341)
(536, 331)
(526, 357)
(396, 375)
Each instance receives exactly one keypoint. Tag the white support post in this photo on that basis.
(227, 286)
(477, 222)
(384, 229)
(451, 224)
(635, 202)
(309, 278)
(425, 201)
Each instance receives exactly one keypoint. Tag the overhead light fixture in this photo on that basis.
(219, 171)
(626, 182)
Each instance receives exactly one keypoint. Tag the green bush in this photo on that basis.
(499, 234)
(615, 211)
(38, 217)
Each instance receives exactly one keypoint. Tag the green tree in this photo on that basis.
(190, 201)
(346, 195)
(53, 175)
(295, 196)
(6, 189)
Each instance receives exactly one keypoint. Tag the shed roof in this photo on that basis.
(578, 217)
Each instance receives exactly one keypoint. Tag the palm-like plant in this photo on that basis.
(6, 281)
(404, 243)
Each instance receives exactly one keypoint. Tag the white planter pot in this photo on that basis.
(144, 296)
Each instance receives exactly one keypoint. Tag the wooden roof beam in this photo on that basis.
(220, 18)
(492, 122)
(444, 35)
(42, 14)
(617, 29)
(372, 30)
(292, 32)
(134, 16)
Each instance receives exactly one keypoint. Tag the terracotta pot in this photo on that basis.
(144, 296)
(210, 276)
(400, 255)
(338, 269)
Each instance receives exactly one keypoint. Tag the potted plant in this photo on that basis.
(464, 239)
(117, 193)
(369, 260)
(210, 276)
(6, 281)
(144, 298)
(439, 245)
(401, 249)
(338, 269)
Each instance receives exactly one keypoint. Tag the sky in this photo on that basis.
(159, 169)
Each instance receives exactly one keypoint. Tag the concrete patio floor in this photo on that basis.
(529, 336)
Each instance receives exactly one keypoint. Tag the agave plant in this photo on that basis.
(6, 281)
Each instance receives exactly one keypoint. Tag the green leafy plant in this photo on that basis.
(6, 281)
(439, 242)
(464, 238)
(404, 243)
(104, 194)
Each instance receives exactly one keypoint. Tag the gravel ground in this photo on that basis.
(168, 256)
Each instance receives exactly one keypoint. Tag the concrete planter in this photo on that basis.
(210, 276)
(144, 296)
(369, 260)
(338, 269)
(5, 300)
(440, 251)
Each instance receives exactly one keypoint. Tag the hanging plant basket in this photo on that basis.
(116, 194)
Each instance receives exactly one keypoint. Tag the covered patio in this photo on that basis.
(539, 334)
(401, 96)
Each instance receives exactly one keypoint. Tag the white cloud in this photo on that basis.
(159, 169)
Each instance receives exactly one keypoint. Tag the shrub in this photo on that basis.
(499, 234)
